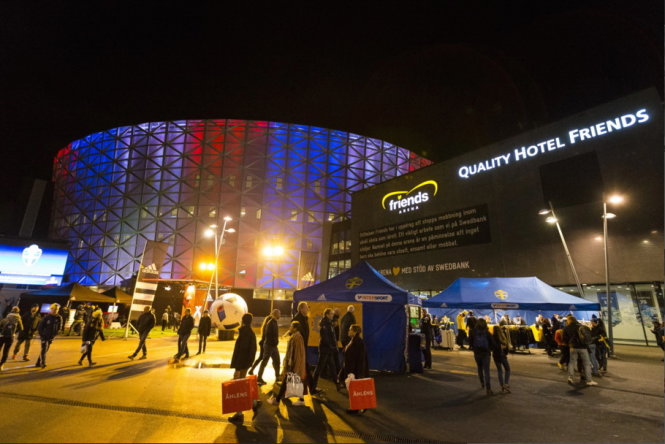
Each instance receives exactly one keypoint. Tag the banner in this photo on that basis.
(152, 261)
(307, 265)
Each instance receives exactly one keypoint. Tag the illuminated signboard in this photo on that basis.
(556, 143)
(410, 200)
(31, 264)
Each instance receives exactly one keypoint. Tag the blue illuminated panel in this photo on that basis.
(31, 265)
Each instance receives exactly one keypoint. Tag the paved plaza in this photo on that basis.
(151, 401)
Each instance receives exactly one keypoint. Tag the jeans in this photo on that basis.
(46, 344)
(325, 360)
(5, 342)
(483, 363)
(592, 358)
(88, 352)
(501, 363)
(565, 355)
(586, 362)
(27, 346)
(203, 341)
(269, 351)
(182, 345)
(142, 347)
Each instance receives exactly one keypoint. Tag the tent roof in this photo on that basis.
(120, 296)
(351, 285)
(75, 292)
(507, 293)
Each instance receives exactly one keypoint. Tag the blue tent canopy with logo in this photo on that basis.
(524, 293)
(384, 313)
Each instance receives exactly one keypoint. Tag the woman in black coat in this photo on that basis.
(243, 354)
(355, 356)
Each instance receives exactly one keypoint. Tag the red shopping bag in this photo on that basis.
(253, 387)
(236, 396)
(362, 394)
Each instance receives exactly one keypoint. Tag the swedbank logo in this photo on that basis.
(410, 200)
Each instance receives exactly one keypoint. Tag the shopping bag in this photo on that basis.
(236, 396)
(84, 347)
(362, 394)
(294, 386)
(253, 387)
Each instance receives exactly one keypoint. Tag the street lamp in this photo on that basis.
(552, 219)
(613, 199)
(273, 252)
(211, 231)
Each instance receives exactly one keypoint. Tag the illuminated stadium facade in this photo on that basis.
(168, 181)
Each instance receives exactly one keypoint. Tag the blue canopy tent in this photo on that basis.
(523, 296)
(384, 311)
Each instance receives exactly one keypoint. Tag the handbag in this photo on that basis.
(84, 347)
(294, 386)
(236, 395)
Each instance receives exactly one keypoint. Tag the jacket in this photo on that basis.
(205, 325)
(92, 328)
(347, 321)
(570, 336)
(49, 327)
(501, 340)
(270, 335)
(186, 325)
(146, 322)
(244, 350)
(14, 318)
(355, 359)
(328, 342)
(304, 326)
(30, 324)
(294, 360)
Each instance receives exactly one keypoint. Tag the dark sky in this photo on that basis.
(439, 81)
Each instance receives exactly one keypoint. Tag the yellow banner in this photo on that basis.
(316, 309)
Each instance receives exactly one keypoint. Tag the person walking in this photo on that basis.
(48, 329)
(327, 350)
(30, 321)
(205, 325)
(270, 338)
(77, 325)
(165, 319)
(548, 336)
(461, 330)
(426, 331)
(500, 356)
(64, 313)
(294, 362)
(347, 321)
(355, 359)
(564, 360)
(144, 325)
(259, 359)
(481, 342)
(184, 331)
(91, 331)
(243, 354)
(471, 321)
(8, 328)
(575, 335)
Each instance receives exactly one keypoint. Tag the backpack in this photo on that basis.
(480, 341)
(9, 326)
(584, 335)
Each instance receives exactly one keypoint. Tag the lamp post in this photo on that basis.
(552, 219)
(212, 232)
(613, 199)
(273, 252)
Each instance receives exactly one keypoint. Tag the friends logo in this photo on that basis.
(405, 201)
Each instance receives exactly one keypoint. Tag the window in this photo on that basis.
(212, 212)
(249, 182)
(331, 217)
(231, 180)
(294, 215)
(279, 183)
(242, 212)
(310, 217)
(258, 213)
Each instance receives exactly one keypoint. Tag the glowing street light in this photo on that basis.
(552, 219)
(273, 253)
(614, 199)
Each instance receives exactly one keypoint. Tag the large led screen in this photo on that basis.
(31, 264)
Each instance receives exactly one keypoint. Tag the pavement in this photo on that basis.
(151, 400)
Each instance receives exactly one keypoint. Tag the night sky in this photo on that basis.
(438, 81)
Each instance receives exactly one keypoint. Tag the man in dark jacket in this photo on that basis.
(303, 319)
(327, 349)
(572, 336)
(48, 328)
(347, 321)
(184, 331)
(8, 328)
(205, 325)
(30, 322)
(270, 338)
(77, 325)
(146, 323)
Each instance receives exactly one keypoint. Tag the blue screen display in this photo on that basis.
(31, 265)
